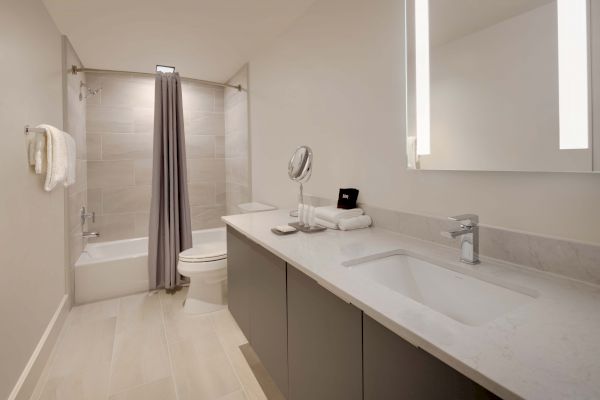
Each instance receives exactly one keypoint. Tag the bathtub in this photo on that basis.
(112, 269)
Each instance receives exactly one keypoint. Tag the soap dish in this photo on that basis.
(307, 229)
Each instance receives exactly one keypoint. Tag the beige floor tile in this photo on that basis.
(239, 395)
(139, 311)
(227, 329)
(81, 365)
(94, 311)
(245, 374)
(183, 328)
(159, 390)
(140, 356)
(198, 376)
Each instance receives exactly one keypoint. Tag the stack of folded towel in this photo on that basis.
(339, 218)
(55, 154)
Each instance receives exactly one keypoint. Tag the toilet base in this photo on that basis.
(208, 289)
(195, 306)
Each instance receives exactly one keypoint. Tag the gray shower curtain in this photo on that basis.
(170, 230)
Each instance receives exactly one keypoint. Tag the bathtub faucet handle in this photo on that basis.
(85, 215)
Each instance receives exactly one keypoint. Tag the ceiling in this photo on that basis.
(204, 39)
(452, 19)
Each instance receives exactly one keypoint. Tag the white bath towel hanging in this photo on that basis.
(71, 159)
(57, 157)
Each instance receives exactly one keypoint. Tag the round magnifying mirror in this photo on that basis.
(300, 166)
(300, 170)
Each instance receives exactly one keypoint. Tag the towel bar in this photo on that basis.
(35, 130)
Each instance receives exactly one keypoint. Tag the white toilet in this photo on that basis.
(205, 265)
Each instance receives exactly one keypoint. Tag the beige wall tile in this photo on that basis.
(129, 199)
(94, 147)
(102, 119)
(219, 146)
(143, 172)
(126, 147)
(94, 200)
(207, 217)
(198, 97)
(114, 226)
(142, 221)
(204, 123)
(143, 119)
(103, 174)
(206, 170)
(200, 146)
(202, 194)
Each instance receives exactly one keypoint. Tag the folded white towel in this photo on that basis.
(363, 221)
(71, 159)
(37, 153)
(326, 224)
(56, 157)
(334, 214)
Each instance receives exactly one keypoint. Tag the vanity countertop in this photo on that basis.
(546, 349)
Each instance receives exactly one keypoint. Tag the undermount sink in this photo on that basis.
(464, 298)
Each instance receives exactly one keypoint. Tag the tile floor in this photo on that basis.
(144, 347)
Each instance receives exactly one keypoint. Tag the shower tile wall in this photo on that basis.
(237, 166)
(75, 125)
(120, 125)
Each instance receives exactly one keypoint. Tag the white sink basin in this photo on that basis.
(466, 299)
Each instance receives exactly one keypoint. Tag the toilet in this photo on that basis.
(205, 265)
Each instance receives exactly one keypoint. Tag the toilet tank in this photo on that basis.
(252, 207)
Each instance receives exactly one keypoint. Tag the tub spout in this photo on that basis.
(87, 235)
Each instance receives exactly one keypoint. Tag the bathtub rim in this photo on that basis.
(81, 261)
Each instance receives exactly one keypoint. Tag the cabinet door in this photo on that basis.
(324, 342)
(394, 370)
(239, 278)
(268, 313)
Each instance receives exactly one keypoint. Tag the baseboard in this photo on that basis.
(33, 370)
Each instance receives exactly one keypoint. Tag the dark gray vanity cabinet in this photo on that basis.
(257, 301)
(324, 342)
(394, 370)
(239, 276)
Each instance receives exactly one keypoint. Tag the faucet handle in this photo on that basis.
(467, 219)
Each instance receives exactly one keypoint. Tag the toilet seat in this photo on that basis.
(205, 252)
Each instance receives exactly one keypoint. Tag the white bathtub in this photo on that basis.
(111, 269)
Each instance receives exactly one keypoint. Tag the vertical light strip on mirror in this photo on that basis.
(573, 73)
(422, 76)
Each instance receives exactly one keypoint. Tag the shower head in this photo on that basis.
(88, 91)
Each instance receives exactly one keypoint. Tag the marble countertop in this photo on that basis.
(546, 349)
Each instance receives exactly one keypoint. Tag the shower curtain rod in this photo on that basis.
(75, 69)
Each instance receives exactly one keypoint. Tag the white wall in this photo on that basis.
(334, 81)
(32, 258)
(494, 99)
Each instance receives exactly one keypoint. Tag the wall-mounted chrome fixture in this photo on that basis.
(164, 68)
(88, 91)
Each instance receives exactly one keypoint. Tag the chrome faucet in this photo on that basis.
(469, 237)
(89, 235)
(85, 216)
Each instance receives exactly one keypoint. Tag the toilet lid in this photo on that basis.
(204, 252)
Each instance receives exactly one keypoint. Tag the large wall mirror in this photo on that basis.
(502, 85)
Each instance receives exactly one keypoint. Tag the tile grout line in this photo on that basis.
(212, 322)
(164, 331)
(112, 355)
